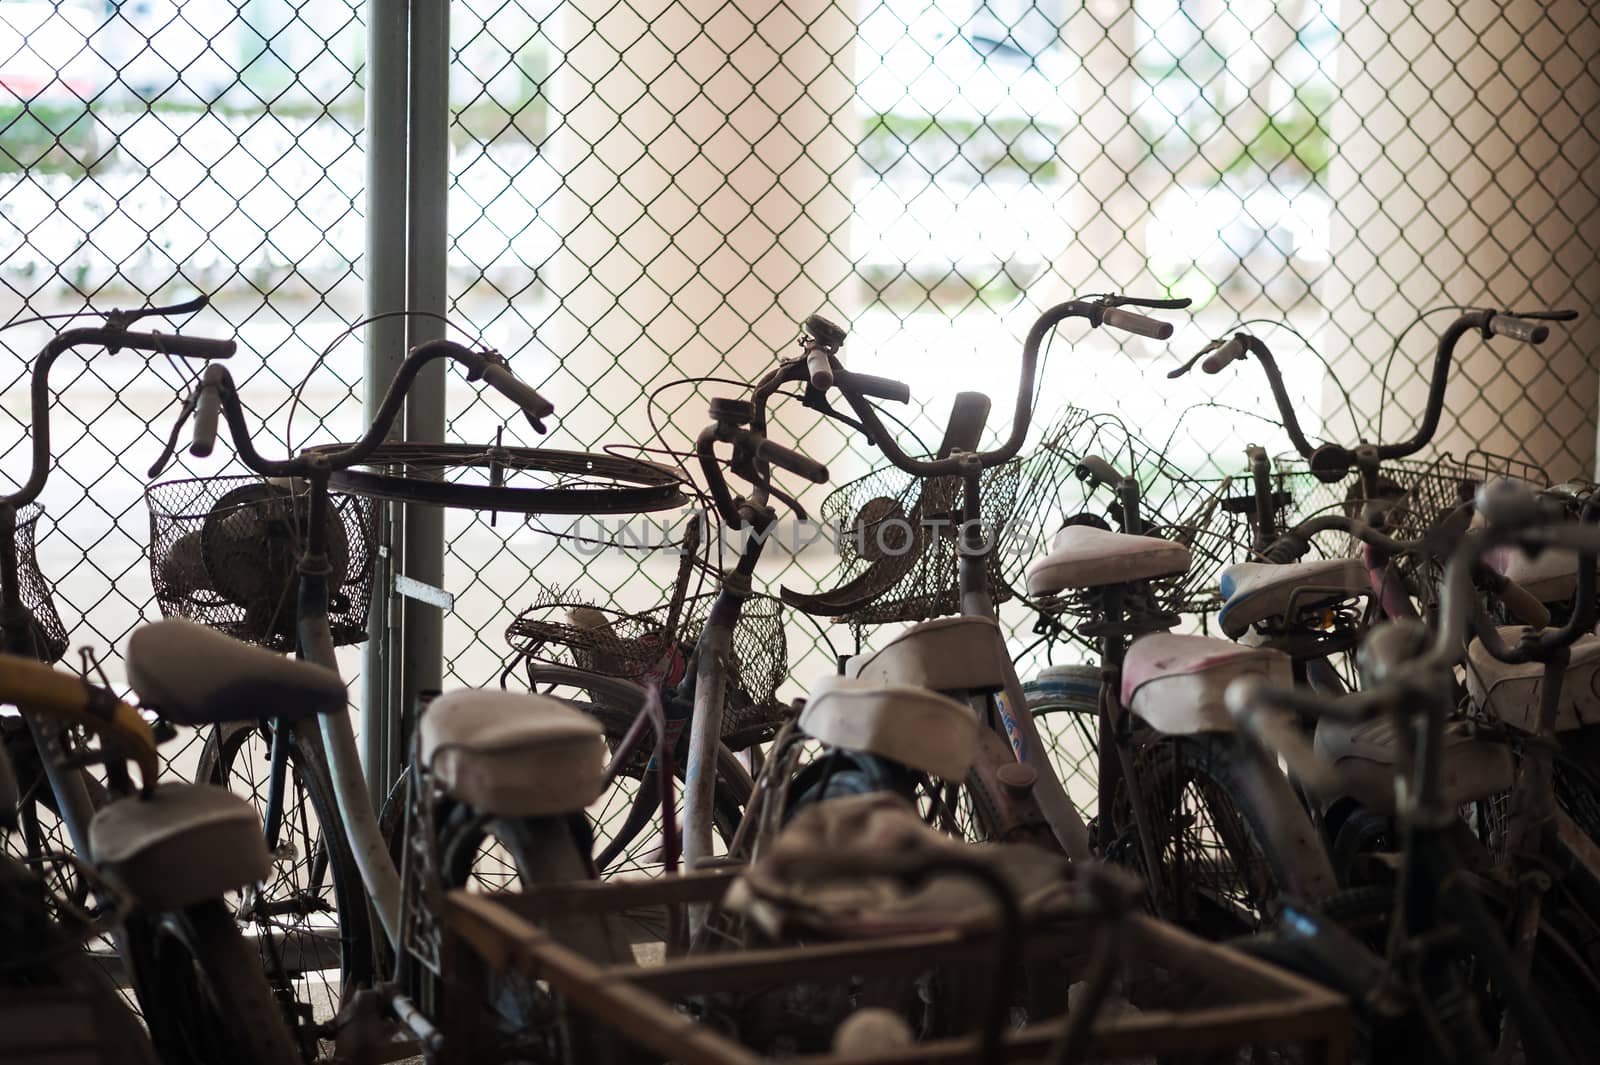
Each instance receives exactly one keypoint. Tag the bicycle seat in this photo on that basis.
(513, 753)
(1367, 754)
(958, 654)
(1176, 683)
(183, 844)
(1550, 578)
(1256, 591)
(910, 725)
(196, 676)
(1084, 556)
(1510, 693)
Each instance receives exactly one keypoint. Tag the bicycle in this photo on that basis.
(461, 730)
(1029, 802)
(1416, 951)
(46, 970)
(1316, 610)
(175, 849)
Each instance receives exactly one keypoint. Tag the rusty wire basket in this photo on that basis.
(1174, 505)
(49, 634)
(1412, 494)
(898, 542)
(225, 552)
(605, 642)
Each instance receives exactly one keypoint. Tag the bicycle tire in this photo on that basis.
(335, 886)
(204, 994)
(1253, 815)
(617, 484)
(542, 851)
(1558, 968)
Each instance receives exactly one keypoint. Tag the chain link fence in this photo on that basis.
(656, 190)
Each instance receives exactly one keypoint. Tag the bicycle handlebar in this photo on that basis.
(793, 461)
(485, 365)
(1333, 461)
(1097, 310)
(113, 337)
(535, 408)
(751, 451)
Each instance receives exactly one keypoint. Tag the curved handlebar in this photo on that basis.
(112, 338)
(486, 365)
(1096, 310)
(1335, 460)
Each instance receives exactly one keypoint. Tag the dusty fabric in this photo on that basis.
(819, 874)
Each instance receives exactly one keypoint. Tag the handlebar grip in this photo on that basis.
(820, 367)
(1287, 548)
(518, 391)
(877, 387)
(1523, 605)
(1139, 324)
(1509, 325)
(1096, 469)
(188, 347)
(206, 408)
(793, 461)
(1232, 351)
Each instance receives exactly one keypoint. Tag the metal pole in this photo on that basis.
(422, 660)
(386, 81)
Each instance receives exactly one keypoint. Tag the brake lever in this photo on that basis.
(168, 453)
(1202, 353)
(121, 319)
(1545, 316)
(1112, 299)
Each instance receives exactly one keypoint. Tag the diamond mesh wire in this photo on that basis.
(645, 190)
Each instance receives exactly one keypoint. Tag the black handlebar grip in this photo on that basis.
(793, 461)
(1142, 325)
(1285, 549)
(207, 405)
(877, 387)
(187, 347)
(1232, 351)
(1508, 325)
(518, 391)
(820, 369)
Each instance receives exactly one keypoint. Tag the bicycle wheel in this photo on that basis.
(204, 994)
(1561, 980)
(478, 852)
(516, 480)
(1065, 704)
(309, 921)
(1227, 830)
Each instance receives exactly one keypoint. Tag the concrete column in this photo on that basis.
(705, 208)
(1469, 172)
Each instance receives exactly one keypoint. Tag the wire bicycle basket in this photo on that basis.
(49, 634)
(637, 647)
(225, 552)
(899, 544)
(1173, 505)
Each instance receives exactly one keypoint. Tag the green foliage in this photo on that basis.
(1292, 141)
(990, 147)
(56, 138)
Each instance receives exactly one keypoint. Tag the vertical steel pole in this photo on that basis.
(422, 662)
(387, 73)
